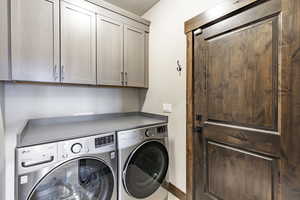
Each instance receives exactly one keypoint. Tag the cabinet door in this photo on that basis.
(146, 60)
(35, 40)
(78, 45)
(110, 52)
(4, 57)
(134, 60)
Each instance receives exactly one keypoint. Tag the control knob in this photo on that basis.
(147, 134)
(76, 148)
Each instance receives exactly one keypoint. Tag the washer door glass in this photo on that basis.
(146, 169)
(81, 179)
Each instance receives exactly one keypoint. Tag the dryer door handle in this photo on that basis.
(37, 163)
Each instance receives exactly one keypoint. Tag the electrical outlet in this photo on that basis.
(167, 108)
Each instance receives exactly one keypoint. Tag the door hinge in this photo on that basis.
(198, 129)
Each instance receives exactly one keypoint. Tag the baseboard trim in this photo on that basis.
(176, 191)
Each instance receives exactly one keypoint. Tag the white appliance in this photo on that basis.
(143, 163)
(77, 169)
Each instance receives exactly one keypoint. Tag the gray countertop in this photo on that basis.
(41, 131)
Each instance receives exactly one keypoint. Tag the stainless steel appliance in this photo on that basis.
(78, 169)
(143, 163)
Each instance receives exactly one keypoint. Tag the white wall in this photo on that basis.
(24, 102)
(167, 44)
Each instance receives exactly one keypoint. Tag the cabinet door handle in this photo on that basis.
(122, 78)
(54, 72)
(62, 72)
(126, 78)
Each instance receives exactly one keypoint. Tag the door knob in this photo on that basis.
(198, 129)
(199, 117)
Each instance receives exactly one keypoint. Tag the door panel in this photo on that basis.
(35, 40)
(78, 45)
(246, 17)
(134, 60)
(110, 52)
(255, 140)
(235, 174)
(241, 76)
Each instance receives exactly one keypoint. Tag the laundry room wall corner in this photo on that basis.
(167, 44)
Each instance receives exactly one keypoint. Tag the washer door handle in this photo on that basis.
(37, 163)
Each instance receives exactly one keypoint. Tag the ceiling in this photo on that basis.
(138, 7)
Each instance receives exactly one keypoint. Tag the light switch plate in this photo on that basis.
(167, 108)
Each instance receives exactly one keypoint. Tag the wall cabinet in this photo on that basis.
(78, 45)
(134, 57)
(110, 52)
(35, 40)
(121, 54)
(76, 42)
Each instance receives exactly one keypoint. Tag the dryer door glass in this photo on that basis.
(81, 179)
(146, 169)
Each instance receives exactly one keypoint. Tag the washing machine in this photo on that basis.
(143, 163)
(77, 169)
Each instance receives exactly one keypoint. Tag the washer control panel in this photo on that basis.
(72, 148)
(36, 157)
(89, 145)
(40, 156)
(104, 141)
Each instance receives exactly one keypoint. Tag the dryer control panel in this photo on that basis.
(136, 136)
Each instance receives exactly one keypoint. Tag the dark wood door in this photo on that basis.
(240, 135)
(243, 65)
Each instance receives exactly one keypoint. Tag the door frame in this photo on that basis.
(194, 26)
(189, 118)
